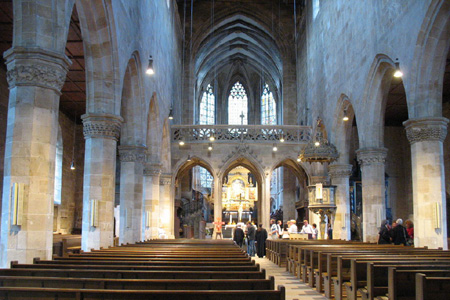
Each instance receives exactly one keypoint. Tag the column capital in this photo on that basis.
(152, 169)
(370, 156)
(340, 170)
(104, 126)
(165, 179)
(318, 179)
(34, 66)
(426, 129)
(129, 153)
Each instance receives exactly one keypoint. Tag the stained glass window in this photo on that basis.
(205, 178)
(268, 107)
(207, 107)
(237, 105)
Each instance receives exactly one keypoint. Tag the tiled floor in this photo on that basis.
(295, 289)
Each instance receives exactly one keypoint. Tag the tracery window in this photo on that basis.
(207, 107)
(237, 105)
(268, 107)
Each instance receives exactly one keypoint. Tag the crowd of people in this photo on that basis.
(253, 239)
(396, 234)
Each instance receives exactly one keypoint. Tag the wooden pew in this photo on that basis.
(71, 244)
(432, 288)
(48, 293)
(401, 281)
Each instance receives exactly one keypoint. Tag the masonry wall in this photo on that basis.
(4, 95)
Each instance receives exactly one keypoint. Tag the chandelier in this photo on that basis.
(319, 149)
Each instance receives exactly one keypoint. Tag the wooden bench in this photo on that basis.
(59, 293)
(432, 288)
(71, 244)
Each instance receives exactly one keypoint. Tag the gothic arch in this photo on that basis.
(245, 161)
(183, 166)
(132, 131)
(428, 67)
(299, 169)
(153, 136)
(374, 101)
(103, 90)
(341, 137)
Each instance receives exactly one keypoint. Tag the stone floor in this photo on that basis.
(295, 289)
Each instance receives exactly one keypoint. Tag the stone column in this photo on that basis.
(217, 202)
(101, 132)
(265, 201)
(372, 161)
(426, 136)
(132, 159)
(151, 201)
(35, 77)
(340, 174)
(166, 205)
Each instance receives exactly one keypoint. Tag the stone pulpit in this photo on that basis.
(322, 201)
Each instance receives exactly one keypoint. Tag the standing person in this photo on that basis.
(293, 228)
(384, 236)
(315, 231)
(330, 232)
(251, 232)
(307, 229)
(410, 230)
(399, 233)
(238, 236)
(261, 237)
(274, 231)
(280, 228)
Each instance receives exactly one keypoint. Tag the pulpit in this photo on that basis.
(322, 201)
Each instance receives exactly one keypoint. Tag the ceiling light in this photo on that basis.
(189, 158)
(282, 139)
(210, 147)
(171, 113)
(212, 138)
(398, 73)
(150, 70)
(345, 118)
(317, 143)
(72, 165)
(181, 142)
(275, 148)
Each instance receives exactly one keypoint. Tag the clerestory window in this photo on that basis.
(238, 105)
(207, 107)
(268, 107)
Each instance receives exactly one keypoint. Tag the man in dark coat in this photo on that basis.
(384, 237)
(399, 233)
(238, 237)
(251, 232)
(261, 237)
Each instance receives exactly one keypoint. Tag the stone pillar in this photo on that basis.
(132, 159)
(217, 202)
(166, 205)
(372, 161)
(151, 201)
(340, 174)
(101, 132)
(426, 136)
(35, 77)
(265, 201)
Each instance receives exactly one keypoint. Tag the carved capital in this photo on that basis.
(36, 67)
(152, 169)
(165, 179)
(340, 171)
(371, 156)
(132, 154)
(103, 126)
(426, 129)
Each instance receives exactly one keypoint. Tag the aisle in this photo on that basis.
(295, 289)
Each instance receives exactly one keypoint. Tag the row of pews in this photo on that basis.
(353, 270)
(159, 269)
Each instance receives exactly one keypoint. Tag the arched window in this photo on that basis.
(207, 107)
(237, 105)
(268, 107)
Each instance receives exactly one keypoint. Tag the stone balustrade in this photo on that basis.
(292, 134)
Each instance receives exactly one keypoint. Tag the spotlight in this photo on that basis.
(398, 73)
(171, 113)
(150, 70)
(317, 144)
(181, 142)
(282, 139)
(212, 138)
(210, 147)
(72, 165)
(275, 148)
(189, 158)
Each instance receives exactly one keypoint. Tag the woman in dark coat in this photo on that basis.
(384, 235)
(261, 237)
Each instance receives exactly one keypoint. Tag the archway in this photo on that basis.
(194, 202)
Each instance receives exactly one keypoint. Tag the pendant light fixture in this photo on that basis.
(150, 70)
(72, 164)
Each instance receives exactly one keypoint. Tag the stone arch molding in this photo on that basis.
(427, 71)
(340, 137)
(291, 163)
(374, 100)
(153, 130)
(240, 157)
(184, 165)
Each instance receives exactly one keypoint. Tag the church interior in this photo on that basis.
(126, 121)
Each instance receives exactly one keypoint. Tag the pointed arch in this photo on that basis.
(374, 101)
(299, 169)
(153, 136)
(184, 166)
(132, 131)
(432, 47)
(341, 135)
(103, 89)
(246, 161)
